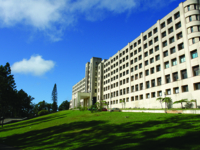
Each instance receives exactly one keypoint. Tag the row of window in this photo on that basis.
(184, 89)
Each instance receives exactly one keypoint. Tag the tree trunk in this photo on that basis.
(181, 105)
(161, 104)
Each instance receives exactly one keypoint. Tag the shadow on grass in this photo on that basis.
(29, 122)
(98, 135)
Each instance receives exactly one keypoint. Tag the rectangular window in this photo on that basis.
(140, 65)
(146, 54)
(135, 44)
(163, 25)
(172, 50)
(171, 40)
(176, 90)
(136, 76)
(166, 64)
(182, 58)
(146, 62)
(132, 98)
(184, 74)
(194, 54)
(178, 25)
(141, 86)
(165, 53)
(179, 35)
(132, 88)
(140, 74)
(140, 57)
(155, 30)
(185, 88)
(151, 51)
(167, 78)
(153, 94)
(147, 72)
(147, 84)
(155, 39)
(164, 43)
(135, 60)
(163, 34)
(150, 34)
(169, 20)
(168, 91)
(136, 88)
(150, 43)
(196, 70)
(177, 15)
(139, 49)
(181, 46)
(159, 81)
(132, 78)
(156, 48)
(145, 37)
(191, 29)
(196, 86)
(151, 60)
(145, 46)
(175, 76)
(139, 41)
(159, 93)
(174, 62)
(147, 95)
(153, 84)
(157, 57)
(158, 68)
(152, 70)
(190, 18)
(170, 30)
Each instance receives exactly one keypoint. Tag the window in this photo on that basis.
(178, 25)
(132, 88)
(185, 88)
(167, 77)
(147, 72)
(139, 49)
(140, 65)
(159, 93)
(184, 74)
(151, 51)
(145, 45)
(190, 18)
(156, 48)
(174, 62)
(153, 84)
(140, 57)
(136, 88)
(196, 70)
(163, 25)
(135, 44)
(170, 30)
(131, 62)
(132, 69)
(188, 7)
(131, 47)
(157, 57)
(168, 91)
(194, 54)
(147, 84)
(153, 94)
(146, 54)
(177, 15)
(152, 70)
(195, 6)
(169, 20)
(151, 60)
(141, 86)
(159, 81)
(171, 40)
(197, 86)
(155, 39)
(176, 90)
(172, 50)
(132, 78)
(191, 29)
(175, 76)
(165, 53)
(182, 58)
(164, 43)
(141, 97)
(136, 76)
(136, 67)
(145, 37)
(136, 97)
(124, 91)
(150, 43)
(147, 95)
(132, 98)
(140, 74)
(155, 30)
(181, 46)
(150, 34)
(135, 52)
(135, 59)
(139, 41)
(179, 35)
(166, 64)
(163, 34)
(158, 68)
(146, 62)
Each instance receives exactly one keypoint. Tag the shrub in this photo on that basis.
(43, 112)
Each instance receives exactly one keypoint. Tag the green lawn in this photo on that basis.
(76, 130)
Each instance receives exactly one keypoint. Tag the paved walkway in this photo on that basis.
(5, 147)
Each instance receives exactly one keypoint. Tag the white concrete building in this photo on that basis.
(163, 59)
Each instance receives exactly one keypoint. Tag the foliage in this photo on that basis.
(160, 99)
(181, 101)
(123, 101)
(167, 101)
(188, 105)
(64, 105)
(54, 98)
(43, 112)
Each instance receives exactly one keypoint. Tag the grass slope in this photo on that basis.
(75, 130)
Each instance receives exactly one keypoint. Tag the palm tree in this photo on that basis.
(181, 101)
(160, 99)
(194, 100)
(167, 100)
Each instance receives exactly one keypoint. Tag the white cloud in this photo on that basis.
(53, 16)
(35, 65)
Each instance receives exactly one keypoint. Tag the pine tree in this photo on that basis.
(54, 98)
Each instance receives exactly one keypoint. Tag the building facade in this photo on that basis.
(162, 61)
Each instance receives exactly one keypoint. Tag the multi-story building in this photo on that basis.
(162, 61)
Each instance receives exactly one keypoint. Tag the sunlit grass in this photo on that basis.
(104, 130)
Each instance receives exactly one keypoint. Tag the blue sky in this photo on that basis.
(50, 41)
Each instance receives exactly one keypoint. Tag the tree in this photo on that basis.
(167, 100)
(7, 86)
(54, 98)
(122, 101)
(160, 99)
(195, 101)
(181, 101)
(64, 105)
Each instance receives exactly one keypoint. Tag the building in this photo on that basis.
(162, 61)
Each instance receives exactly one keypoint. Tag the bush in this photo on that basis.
(43, 112)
